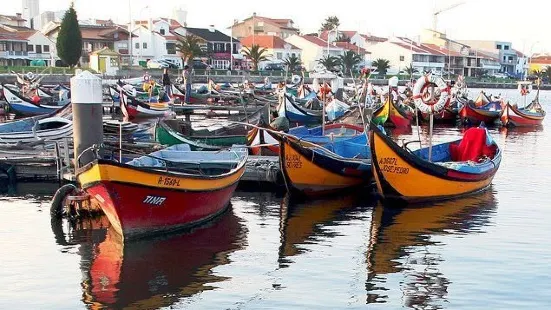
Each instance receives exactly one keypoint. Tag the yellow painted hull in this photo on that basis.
(304, 175)
(399, 178)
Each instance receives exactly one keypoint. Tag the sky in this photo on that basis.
(526, 26)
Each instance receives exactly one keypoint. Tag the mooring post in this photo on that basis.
(86, 98)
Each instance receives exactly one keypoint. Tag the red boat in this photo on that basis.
(532, 115)
(474, 115)
(133, 107)
(168, 190)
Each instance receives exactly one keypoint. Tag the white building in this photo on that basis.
(313, 49)
(155, 40)
(401, 52)
(31, 11)
(40, 47)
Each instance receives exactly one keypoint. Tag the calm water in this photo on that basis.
(489, 251)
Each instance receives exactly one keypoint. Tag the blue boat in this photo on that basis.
(25, 107)
(296, 113)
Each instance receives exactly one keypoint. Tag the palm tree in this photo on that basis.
(410, 70)
(292, 62)
(548, 72)
(329, 62)
(256, 54)
(188, 47)
(537, 73)
(349, 59)
(382, 65)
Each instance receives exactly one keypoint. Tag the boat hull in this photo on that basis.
(134, 109)
(314, 174)
(167, 136)
(22, 107)
(140, 203)
(475, 116)
(397, 118)
(513, 117)
(401, 176)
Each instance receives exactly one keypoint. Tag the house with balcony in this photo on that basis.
(277, 50)
(508, 57)
(222, 49)
(259, 25)
(96, 37)
(39, 47)
(13, 48)
(314, 48)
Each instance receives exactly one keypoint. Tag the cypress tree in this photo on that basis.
(69, 39)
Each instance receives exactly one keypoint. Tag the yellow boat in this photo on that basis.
(456, 169)
(314, 170)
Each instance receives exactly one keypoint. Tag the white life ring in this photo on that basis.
(29, 76)
(296, 79)
(423, 104)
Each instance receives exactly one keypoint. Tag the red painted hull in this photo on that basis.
(444, 116)
(125, 206)
(269, 150)
(514, 117)
(474, 116)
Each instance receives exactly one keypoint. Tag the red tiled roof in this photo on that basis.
(317, 41)
(13, 17)
(266, 41)
(25, 35)
(348, 34)
(10, 35)
(352, 47)
(541, 60)
(440, 50)
(374, 38)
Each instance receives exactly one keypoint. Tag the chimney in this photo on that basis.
(18, 15)
(211, 28)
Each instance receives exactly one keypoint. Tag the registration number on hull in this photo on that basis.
(390, 165)
(154, 200)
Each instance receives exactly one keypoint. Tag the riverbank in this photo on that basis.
(238, 77)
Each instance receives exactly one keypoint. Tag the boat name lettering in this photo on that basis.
(293, 162)
(168, 181)
(154, 200)
(390, 165)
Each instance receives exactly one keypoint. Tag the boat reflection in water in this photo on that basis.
(401, 241)
(153, 273)
(300, 223)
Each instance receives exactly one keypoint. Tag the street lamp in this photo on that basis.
(140, 42)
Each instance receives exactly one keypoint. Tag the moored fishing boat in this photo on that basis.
(168, 190)
(263, 142)
(133, 107)
(397, 116)
(449, 170)
(487, 113)
(530, 115)
(298, 114)
(25, 107)
(169, 132)
(315, 170)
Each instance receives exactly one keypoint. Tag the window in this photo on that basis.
(498, 46)
(504, 58)
(144, 45)
(511, 58)
(137, 45)
(293, 54)
(162, 31)
(46, 48)
(506, 47)
(39, 49)
(402, 58)
(171, 48)
(279, 56)
(30, 48)
(3, 46)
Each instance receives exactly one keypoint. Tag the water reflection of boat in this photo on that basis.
(400, 236)
(153, 273)
(300, 222)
